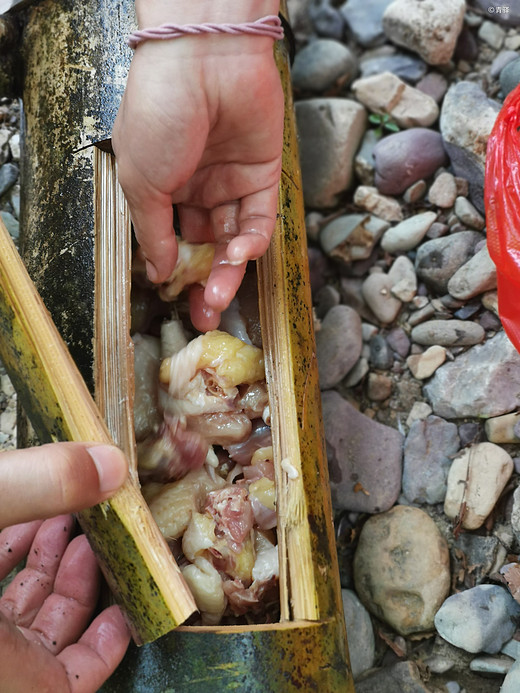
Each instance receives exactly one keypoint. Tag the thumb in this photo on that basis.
(57, 478)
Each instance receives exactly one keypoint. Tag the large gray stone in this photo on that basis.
(330, 133)
(361, 643)
(364, 457)
(365, 20)
(481, 382)
(428, 453)
(323, 64)
(437, 260)
(467, 118)
(405, 157)
(402, 569)
(427, 27)
(338, 344)
(480, 619)
(403, 677)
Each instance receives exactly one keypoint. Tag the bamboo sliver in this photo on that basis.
(133, 555)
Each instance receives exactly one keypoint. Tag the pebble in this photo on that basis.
(365, 20)
(467, 118)
(330, 132)
(384, 207)
(437, 260)
(408, 233)
(484, 553)
(365, 464)
(492, 34)
(352, 237)
(398, 340)
(434, 84)
(443, 190)
(381, 355)
(407, 67)
(424, 365)
(403, 279)
(323, 64)
(11, 223)
(428, 452)
(386, 93)
(512, 649)
(415, 192)
(418, 412)
(338, 344)
(511, 683)
(476, 479)
(14, 146)
(377, 292)
(498, 665)
(429, 29)
(448, 333)
(467, 213)
(326, 20)
(401, 569)
(364, 162)
(476, 276)
(503, 429)
(362, 646)
(357, 373)
(480, 619)
(510, 76)
(403, 677)
(8, 177)
(502, 59)
(482, 382)
(379, 387)
(404, 158)
(325, 299)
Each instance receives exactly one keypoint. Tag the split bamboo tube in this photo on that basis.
(134, 557)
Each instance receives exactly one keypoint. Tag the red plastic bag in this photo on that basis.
(502, 201)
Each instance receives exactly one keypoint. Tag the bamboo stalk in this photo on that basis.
(134, 557)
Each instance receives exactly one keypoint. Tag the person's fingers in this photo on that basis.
(29, 589)
(153, 227)
(90, 661)
(203, 317)
(57, 478)
(65, 613)
(257, 220)
(15, 543)
(223, 282)
(25, 666)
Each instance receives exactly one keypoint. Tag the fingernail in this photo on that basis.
(151, 271)
(111, 465)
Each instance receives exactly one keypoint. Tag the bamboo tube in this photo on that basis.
(135, 560)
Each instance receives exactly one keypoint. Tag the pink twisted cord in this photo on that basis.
(269, 26)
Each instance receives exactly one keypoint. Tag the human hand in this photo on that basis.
(45, 644)
(57, 478)
(200, 126)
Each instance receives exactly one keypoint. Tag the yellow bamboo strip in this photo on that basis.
(134, 557)
(113, 348)
(277, 314)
